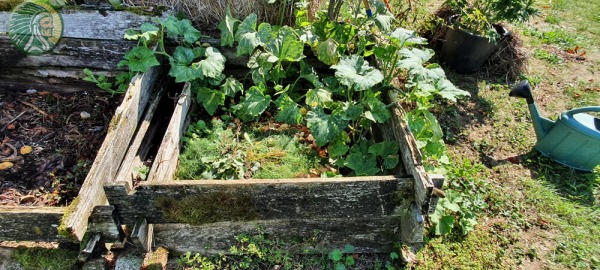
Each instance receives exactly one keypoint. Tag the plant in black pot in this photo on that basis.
(473, 31)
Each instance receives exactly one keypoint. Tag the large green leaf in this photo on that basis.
(327, 52)
(337, 148)
(246, 36)
(448, 91)
(407, 37)
(140, 59)
(231, 87)
(384, 148)
(324, 127)
(362, 164)
(287, 46)
(176, 27)
(308, 73)
(213, 65)
(254, 103)
(228, 27)
(351, 110)
(378, 111)
(211, 99)
(184, 73)
(183, 55)
(247, 26)
(318, 97)
(289, 111)
(414, 57)
(353, 71)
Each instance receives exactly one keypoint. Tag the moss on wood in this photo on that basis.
(63, 229)
(209, 208)
(9, 5)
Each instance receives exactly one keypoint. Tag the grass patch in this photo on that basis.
(549, 57)
(43, 258)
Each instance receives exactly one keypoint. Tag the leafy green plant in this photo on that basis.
(477, 16)
(342, 259)
(119, 86)
(142, 172)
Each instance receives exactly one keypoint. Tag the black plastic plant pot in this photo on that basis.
(466, 52)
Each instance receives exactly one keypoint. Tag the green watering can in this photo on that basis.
(572, 140)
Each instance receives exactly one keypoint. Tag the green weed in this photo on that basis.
(549, 57)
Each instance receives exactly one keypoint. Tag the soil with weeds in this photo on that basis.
(48, 142)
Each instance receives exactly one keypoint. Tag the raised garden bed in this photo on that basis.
(90, 40)
(371, 213)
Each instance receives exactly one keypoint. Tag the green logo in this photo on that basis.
(35, 27)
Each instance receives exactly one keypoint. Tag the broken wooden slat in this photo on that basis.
(132, 158)
(16, 223)
(168, 201)
(411, 157)
(110, 155)
(165, 163)
(88, 245)
(104, 221)
(142, 235)
(367, 235)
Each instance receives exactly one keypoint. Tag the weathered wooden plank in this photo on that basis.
(201, 201)
(13, 79)
(92, 24)
(165, 162)
(110, 155)
(30, 223)
(411, 157)
(137, 147)
(69, 52)
(367, 235)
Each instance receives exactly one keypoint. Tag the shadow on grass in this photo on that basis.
(571, 184)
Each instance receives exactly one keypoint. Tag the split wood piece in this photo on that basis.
(367, 235)
(139, 145)
(349, 197)
(111, 153)
(30, 223)
(411, 157)
(165, 162)
(89, 244)
(104, 221)
(91, 24)
(142, 235)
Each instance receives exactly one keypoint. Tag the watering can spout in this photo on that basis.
(540, 124)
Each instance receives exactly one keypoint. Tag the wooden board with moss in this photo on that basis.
(70, 223)
(367, 212)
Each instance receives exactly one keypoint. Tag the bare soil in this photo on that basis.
(64, 132)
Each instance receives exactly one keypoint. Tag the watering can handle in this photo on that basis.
(583, 109)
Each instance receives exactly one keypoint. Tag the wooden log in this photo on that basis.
(412, 220)
(110, 155)
(203, 201)
(367, 235)
(165, 162)
(13, 80)
(30, 223)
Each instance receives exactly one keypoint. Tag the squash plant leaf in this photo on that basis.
(213, 65)
(231, 87)
(350, 110)
(289, 111)
(140, 59)
(318, 97)
(448, 91)
(354, 72)
(176, 27)
(362, 164)
(384, 148)
(378, 112)
(308, 73)
(383, 18)
(183, 55)
(324, 127)
(407, 37)
(253, 104)
(327, 52)
(287, 46)
(337, 148)
(246, 36)
(228, 27)
(414, 58)
(211, 99)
